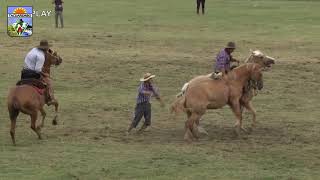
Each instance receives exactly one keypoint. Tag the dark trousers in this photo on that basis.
(142, 110)
(59, 15)
(29, 74)
(200, 2)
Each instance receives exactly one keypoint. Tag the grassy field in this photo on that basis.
(107, 45)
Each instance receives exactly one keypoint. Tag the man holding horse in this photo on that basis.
(223, 61)
(33, 65)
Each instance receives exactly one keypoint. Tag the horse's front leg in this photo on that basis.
(248, 105)
(236, 108)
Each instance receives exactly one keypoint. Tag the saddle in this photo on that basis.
(32, 82)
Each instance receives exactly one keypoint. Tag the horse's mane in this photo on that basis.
(232, 75)
(257, 53)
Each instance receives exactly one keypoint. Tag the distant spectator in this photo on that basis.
(58, 10)
(200, 2)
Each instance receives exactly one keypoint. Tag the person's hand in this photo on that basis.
(161, 103)
(44, 74)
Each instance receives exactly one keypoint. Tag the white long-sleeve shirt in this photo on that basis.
(34, 60)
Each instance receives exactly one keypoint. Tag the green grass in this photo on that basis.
(97, 81)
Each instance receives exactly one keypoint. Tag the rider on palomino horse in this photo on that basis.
(33, 64)
(223, 61)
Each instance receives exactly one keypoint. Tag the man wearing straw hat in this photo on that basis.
(143, 106)
(223, 61)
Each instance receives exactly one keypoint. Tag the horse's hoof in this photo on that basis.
(188, 140)
(201, 130)
(54, 122)
(250, 130)
(244, 130)
(237, 133)
(187, 137)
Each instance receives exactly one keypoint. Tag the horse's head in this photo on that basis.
(256, 74)
(53, 57)
(258, 57)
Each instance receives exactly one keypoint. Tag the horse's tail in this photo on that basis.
(13, 104)
(179, 104)
(12, 100)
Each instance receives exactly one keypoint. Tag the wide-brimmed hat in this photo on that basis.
(231, 45)
(44, 44)
(147, 76)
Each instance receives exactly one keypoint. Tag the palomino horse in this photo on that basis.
(26, 99)
(249, 91)
(214, 94)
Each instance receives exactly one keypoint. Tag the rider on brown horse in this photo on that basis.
(33, 67)
(34, 90)
(224, 60)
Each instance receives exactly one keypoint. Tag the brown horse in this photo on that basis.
(214, 94)
(26, 99)
(249, 92)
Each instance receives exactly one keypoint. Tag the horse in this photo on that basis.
(215, 94)
(27, 99)
(256, 56)
(250, 90)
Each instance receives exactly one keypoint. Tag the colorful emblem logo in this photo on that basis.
(19, 21)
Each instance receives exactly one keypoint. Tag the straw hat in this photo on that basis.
(147, 76)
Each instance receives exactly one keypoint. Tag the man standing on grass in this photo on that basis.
(58, 10)
(202, 3)
(143, 106)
